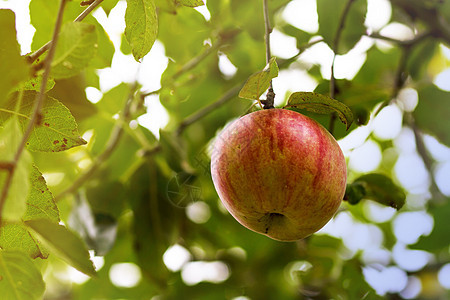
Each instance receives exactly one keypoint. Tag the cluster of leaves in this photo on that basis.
(125, 194)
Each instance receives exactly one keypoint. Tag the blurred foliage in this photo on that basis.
(130, 194)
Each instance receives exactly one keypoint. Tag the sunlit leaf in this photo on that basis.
(58, 130)
(64, 243)
(17, 237)
(77, 45)
(321, 104)
(141, 26)
(191, 3)
(43, 15)
(376, 187)
(259, 82)
(34, 84)
(19, 277)
(105, 47)
(40, 204)
(12, 67)
(10, 139)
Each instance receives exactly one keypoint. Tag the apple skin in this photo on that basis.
(279, 173)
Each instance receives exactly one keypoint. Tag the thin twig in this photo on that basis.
(114, 138)
(268, 29)
(207, 109)
(35, 55)
(415, 40)
(400, 78)
(36, 117)
(438, 197)
(270, 97)
(335, 49)
(189, 65)
(285, 62)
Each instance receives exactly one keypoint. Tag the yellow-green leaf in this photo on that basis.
(141, 26)
(16, 236)
(191, 3)
(58, 129)
(13, 68)
(77, 45)
(320, 104)
(259, 82)
(20, 278)
(10, 138)
(40, 205)
(64, 243)
(40, 202)
(34, 84)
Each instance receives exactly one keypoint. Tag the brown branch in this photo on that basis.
(405, 43)
(270, 97)
(436, 22)
(36, 117)
(438, 197)
(335, 49)
(35, 55)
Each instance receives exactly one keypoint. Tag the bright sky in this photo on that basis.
(364, 154)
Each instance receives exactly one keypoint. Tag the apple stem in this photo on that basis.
(270, 98)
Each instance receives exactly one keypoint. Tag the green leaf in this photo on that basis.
(191, 3)
(97, 230)
(440, 236)
(20, 279)
(71, 93)
(77, 45)
(10, 139)
(376, 187)
(58, 130)
(432, 113)
(174, 152)
(64, 243)
(259, 82)
(43, 15)
(105, 47)
(321, 104)
(40, 204)
(113, 101)
(16, 236)
(141, 26)
(13, 67)
(330, 14)
(34, 84)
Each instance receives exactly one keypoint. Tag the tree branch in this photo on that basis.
(335, 49)
(36, 117)
(189, 65)
(207, 109)
(438, 197)
(270, 97)
(35, 55)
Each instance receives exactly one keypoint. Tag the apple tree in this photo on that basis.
(105, 177)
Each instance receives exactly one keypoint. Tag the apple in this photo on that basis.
(279, 173)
